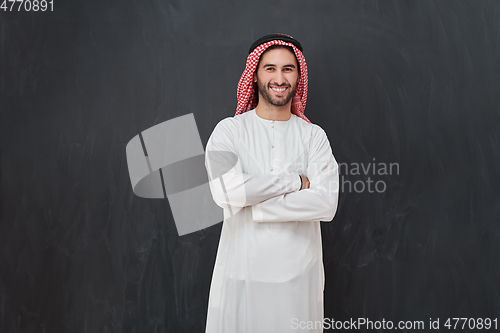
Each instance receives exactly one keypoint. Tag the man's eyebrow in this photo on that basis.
(273, 65)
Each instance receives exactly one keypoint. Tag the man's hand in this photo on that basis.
(305, 182)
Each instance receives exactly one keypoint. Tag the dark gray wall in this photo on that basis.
(409, 82)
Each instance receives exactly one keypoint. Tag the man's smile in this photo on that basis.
(278, 90)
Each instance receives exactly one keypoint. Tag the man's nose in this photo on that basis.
(280, 78)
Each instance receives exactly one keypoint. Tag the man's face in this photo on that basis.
(277, 76)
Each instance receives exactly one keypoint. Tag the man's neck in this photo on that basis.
(271, 112)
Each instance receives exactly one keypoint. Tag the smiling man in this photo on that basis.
(283, 181)
(278, 68)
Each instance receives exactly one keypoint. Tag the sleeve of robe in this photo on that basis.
(317, 203)
(231, 187)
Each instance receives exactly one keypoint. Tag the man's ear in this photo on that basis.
(254, 77)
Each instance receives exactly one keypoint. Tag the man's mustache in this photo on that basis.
(282, 85)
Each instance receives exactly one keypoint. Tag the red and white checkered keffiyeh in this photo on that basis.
(247, 97)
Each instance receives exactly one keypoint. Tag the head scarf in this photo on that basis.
(246, 92)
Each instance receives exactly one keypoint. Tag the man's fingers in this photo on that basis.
(305, 182)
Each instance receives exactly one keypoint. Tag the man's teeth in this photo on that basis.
(278, 89)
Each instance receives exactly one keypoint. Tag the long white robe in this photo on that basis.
(268, 275)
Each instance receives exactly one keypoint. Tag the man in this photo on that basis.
(283, 180)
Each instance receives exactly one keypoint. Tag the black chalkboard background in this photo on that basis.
(412, 83)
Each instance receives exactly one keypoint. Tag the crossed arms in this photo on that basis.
(274, 198)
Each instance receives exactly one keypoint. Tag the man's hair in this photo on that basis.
(277, 46)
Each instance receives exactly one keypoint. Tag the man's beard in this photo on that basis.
(265, 93)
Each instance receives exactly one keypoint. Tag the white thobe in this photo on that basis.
(268, 275)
